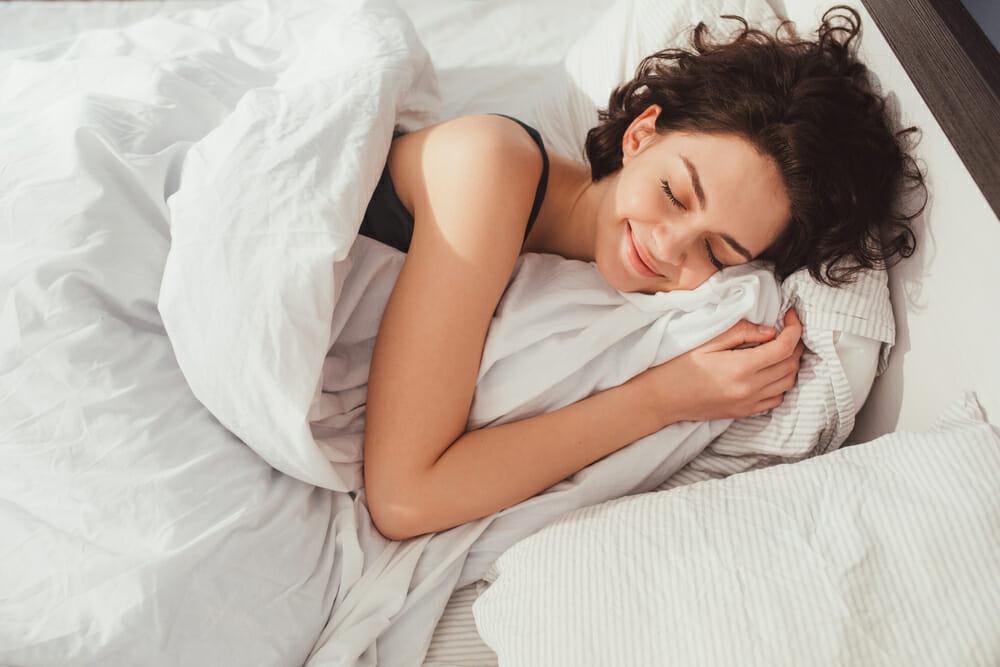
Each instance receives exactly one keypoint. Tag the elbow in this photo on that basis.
(397, 516)
(393, 524)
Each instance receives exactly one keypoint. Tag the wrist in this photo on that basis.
(656, 396)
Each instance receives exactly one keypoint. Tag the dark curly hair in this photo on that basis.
(811, 107)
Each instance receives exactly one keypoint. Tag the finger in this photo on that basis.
(790, 363)
(792, 319)
(784, 345)
(793, 325)
(784, 370)
(741, 333)
(768, 404)
(779, 387)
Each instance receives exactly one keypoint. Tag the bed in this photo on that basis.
(181, 480)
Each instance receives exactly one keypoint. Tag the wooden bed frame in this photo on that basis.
(956, 69)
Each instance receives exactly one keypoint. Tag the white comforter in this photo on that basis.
(183, 385)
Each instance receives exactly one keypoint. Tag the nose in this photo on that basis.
(672, 241)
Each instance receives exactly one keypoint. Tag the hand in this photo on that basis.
(718, 381)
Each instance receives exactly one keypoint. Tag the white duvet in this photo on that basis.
(182, 385)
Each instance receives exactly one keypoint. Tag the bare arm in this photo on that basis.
(512, 462)
(470, 184)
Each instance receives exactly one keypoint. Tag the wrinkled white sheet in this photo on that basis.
(133, 528)
(137, 528)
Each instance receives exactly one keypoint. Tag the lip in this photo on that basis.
(635, 252)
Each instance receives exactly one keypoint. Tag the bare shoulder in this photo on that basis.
(481, 156)
(497, 136)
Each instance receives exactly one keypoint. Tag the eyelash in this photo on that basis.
(670, 194)
(712, 258)
(708, 247)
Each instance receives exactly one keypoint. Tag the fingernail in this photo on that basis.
(765, 330)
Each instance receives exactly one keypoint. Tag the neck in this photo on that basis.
(567, 222)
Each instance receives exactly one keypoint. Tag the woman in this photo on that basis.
(762, 147)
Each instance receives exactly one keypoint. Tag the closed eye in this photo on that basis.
(670, 195)
(712, 258)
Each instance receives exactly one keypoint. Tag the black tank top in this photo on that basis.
(388, 221)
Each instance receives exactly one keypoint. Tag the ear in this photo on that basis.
(640, 132)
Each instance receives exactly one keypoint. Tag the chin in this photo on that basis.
(611, 278)
(616, 273)
(623, 281)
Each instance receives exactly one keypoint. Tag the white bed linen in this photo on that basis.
(255, 367)
(924, 315)
(124, 459)
(883, 553)
(848, 333)
(28, 23)
(121, 496)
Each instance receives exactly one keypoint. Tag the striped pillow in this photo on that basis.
(883, 553)
(848, 332)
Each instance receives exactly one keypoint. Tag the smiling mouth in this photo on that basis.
(636, 258)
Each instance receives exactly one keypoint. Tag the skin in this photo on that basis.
(677, 235)
(470, 184)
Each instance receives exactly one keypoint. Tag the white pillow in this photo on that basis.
(848, 332)
(878, 554)
(607, 55)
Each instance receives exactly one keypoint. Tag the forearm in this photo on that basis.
(490, 469)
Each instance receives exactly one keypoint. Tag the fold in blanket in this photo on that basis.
(173, 541)
(272, 308)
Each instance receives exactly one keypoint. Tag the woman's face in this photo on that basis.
(684, 205)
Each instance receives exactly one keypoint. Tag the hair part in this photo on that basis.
(808, 105)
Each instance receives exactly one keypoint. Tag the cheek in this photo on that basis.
(694, 275)
(606, 256)
(609, 258)
(633, 200)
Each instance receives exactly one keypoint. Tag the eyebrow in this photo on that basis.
(737, 247)
(695, 181)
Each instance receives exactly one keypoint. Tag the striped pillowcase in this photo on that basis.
(883, 553)
(818, 414)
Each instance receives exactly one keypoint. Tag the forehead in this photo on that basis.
(743, 189)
